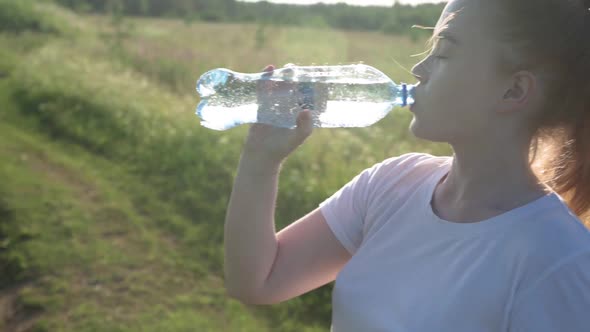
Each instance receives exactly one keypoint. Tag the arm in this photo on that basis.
(250, 241)
(264, 268)
(261, 267)
(308, 256)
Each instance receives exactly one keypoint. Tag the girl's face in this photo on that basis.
(461, 88)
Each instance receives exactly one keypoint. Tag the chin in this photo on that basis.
(429, 134)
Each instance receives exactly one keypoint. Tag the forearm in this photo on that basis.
(250, 240)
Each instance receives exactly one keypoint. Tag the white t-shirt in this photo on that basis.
(526, 270)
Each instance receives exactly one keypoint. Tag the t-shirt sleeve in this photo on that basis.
(558, 302)
(346, 209)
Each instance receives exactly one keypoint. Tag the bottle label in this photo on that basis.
(281, 101)
(307, 95)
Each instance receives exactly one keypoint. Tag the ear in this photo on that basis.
(519, 91)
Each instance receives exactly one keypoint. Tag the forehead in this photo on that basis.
(464, 20)
(470, 22)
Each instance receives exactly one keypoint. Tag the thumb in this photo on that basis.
(304, 125)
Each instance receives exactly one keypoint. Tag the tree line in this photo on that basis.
(397, 19)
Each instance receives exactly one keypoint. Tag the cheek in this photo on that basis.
(444, 90)
(463, 85)
(454, 105)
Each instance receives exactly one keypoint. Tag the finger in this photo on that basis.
(304, 125)
(268, 70)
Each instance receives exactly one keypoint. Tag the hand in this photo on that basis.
(273, 144)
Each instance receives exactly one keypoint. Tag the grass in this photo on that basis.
(91, 254)
(112, 196)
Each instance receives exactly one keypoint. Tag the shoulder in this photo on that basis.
(558, 300)
(569, 271)
(414, 161)
(401, 174)
(411, 167)
(554, 264)
(551, 246)
(416, 158)
(550, 234)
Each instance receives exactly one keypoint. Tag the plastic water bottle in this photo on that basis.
(355, 95)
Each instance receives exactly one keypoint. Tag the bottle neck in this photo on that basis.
(404, 94)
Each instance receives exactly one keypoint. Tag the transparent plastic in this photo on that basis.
(355, 95)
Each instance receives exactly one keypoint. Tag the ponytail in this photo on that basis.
(565, 159)
(565, 164)
(571, 178)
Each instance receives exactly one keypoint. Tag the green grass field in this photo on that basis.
(112, 196)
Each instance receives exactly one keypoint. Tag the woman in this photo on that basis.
(484, 240)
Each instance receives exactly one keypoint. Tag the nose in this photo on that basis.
(419, 72)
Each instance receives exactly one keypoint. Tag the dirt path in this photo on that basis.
(13, 315)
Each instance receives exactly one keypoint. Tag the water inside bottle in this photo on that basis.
(346, 103)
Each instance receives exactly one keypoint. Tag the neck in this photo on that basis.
(491, 177)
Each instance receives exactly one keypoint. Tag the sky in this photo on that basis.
(387, 3)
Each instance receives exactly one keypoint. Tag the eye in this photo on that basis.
(437, 50)
(437, 57)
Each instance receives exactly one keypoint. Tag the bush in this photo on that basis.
(119, 115)
(21, 15)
